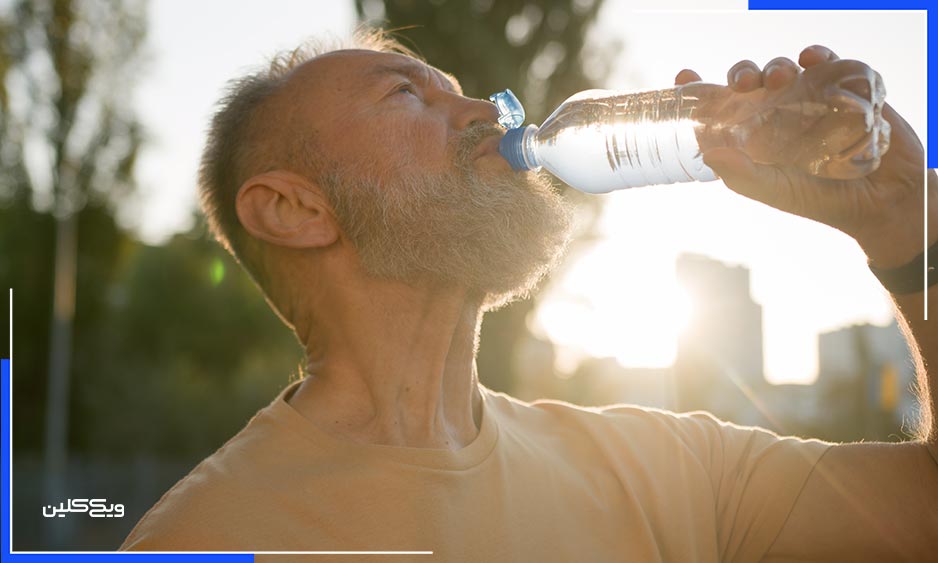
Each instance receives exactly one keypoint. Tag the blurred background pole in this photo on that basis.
(72, 85)
(60, 353)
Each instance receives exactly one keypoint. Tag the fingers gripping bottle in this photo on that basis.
(828, 123)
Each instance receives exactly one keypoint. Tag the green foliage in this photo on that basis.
(27, 240)
(196, 353)
(168, 358)
(65, 68)
(539, 50)
(173, 348)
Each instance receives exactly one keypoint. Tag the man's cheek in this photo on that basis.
(426, 144)
(401, 147)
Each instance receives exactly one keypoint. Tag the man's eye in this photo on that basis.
(406, 89)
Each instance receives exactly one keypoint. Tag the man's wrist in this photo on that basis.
(913, 277)
(900, 239)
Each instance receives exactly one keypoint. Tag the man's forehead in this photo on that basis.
(360, 67)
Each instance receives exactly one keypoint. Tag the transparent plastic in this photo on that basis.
(828, 123)
(510, 110)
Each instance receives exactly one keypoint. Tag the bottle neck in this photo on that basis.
(529, 147)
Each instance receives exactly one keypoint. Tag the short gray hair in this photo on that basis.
(238, 148)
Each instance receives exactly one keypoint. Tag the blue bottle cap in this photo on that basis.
(510, 110)
(511, 147)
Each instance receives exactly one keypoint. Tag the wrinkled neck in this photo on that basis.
(392, 364)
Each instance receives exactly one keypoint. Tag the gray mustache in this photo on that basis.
(469, 139)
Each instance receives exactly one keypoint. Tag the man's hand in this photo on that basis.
(863, 502)
(882, 211)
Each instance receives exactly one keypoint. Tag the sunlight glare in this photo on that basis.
(602, 310)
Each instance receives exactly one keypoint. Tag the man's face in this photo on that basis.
(387, 113)
(412, 169)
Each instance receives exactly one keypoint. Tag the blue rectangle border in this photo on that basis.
(6, 515)
(5, 366)
(932, 125)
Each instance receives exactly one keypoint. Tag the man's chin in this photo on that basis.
(495, 172)
(491, 168)
(493, 161)
(485, 227)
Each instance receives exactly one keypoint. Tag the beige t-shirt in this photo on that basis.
(544, 481)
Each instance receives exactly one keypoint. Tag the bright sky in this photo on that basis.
(808, 277)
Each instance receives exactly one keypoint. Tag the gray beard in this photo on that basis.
(495, 234)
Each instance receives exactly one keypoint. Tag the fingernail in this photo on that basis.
(824, 51)
(741, 73)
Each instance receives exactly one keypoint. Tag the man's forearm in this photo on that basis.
(922, 336)
(893, 246)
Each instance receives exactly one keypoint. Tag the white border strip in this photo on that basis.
(925, 179)
(690, 11)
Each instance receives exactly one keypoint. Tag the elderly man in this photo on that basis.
(365, 195)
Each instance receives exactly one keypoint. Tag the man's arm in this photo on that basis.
(892, 245)
(879, 502)
(866, 501)
(922, 336)
(876, 502)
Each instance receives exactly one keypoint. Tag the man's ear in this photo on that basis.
(286, 209)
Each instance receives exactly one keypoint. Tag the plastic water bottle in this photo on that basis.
(828, 123)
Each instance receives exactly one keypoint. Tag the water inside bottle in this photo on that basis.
(854, 135)
(624, 140)
(828, 123)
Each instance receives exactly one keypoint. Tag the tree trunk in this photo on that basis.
(60, 354)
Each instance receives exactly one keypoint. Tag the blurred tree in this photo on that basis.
(539, 50)
(165, 333)
(190, 344)
(66, 111)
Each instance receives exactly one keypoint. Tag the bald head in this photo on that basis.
(335, 106)
(371, 163)
(253, 131)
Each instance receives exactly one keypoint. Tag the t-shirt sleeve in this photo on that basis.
(757, 477)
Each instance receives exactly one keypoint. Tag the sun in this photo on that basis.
(601, 310)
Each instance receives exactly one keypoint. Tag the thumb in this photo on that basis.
(732, 165)
(745, 177)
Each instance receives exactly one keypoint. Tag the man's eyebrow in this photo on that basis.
(414, 72)
(417, 73)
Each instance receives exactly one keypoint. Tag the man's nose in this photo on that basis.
(470, 110)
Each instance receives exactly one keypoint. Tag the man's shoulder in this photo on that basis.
(196, 512)
(618, 416)
(212, 506)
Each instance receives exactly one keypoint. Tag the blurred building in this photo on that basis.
(719, 365)
(864, 389)
(596, 381)
(866, 380)
(649, 387)
(790, 409)
(604, 381)
(534, 367)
